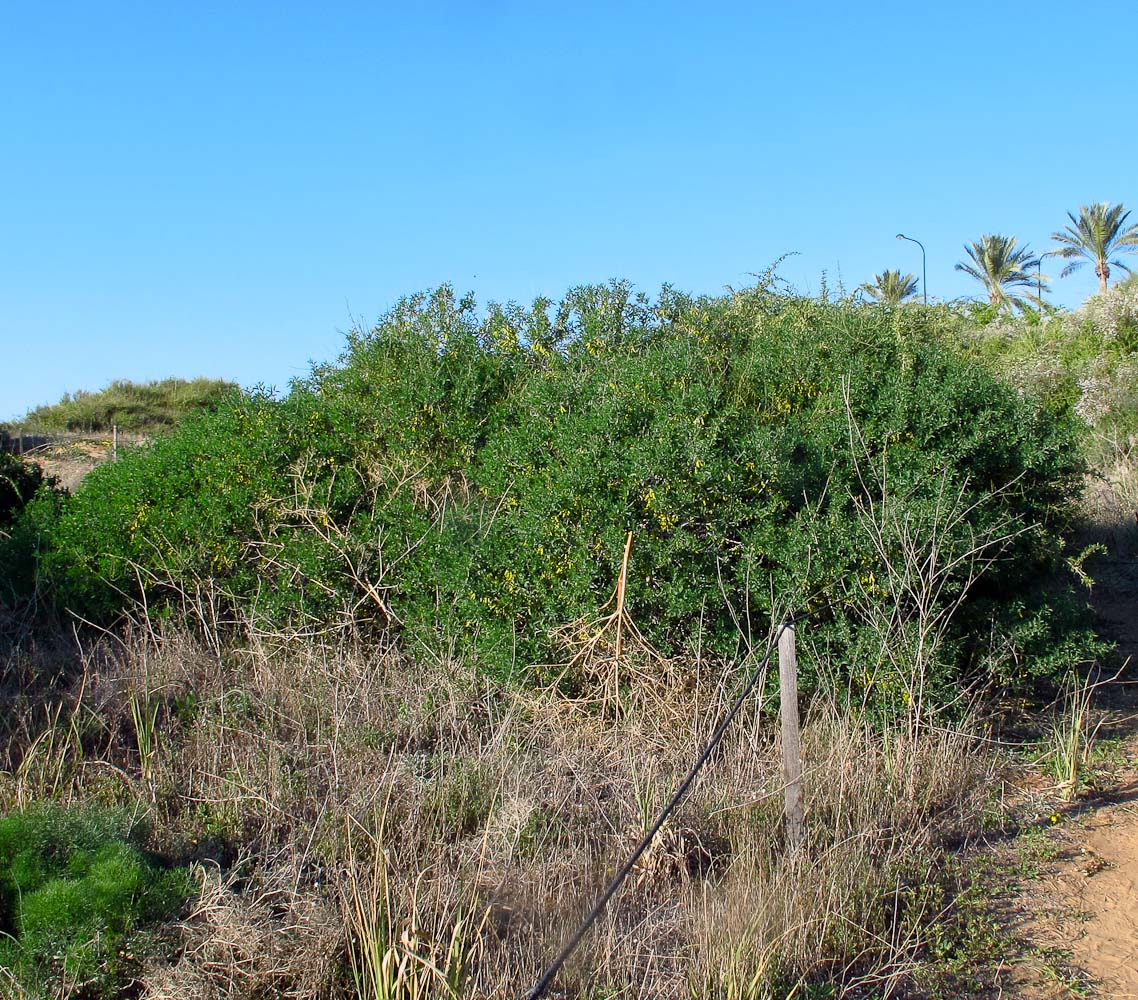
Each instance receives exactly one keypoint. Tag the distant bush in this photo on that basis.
(1082, 363)
(131, 406)
(470, 480)
(179, 511)
(75, 901)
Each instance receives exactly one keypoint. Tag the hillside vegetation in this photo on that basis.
(369, 688)
(131, 406)
(1085, 362)
(468, 482)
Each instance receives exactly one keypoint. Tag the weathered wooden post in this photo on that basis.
(114, 442)
(621, 584)
(791, 736)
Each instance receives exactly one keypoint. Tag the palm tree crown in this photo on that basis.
(891, 288)
(1001, 267)
(1099, 232)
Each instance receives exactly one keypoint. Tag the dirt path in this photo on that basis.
(1108, 947)
(1085, 910)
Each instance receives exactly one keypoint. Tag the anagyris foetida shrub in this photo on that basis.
(468, 480)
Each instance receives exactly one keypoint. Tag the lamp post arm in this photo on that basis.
(924, 271)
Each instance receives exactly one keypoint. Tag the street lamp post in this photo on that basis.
(924, 285)
(1039, 280)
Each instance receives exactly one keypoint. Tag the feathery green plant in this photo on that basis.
(74, 895)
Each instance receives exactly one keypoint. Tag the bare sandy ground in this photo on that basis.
(1086, 908)
(1108, 945)
(70, 462)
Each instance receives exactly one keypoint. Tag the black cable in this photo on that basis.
(546, 980)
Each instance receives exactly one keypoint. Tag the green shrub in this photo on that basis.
(19, 482)
(28, 498)
(470, 480)
(172, 516)
(76, 899)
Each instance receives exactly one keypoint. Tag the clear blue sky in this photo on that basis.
(220, 188)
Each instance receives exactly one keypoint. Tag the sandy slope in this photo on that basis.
(71, 462)
(1087, 906)
(1086, 909)
(1108, 947)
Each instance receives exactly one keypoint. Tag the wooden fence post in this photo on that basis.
(791, 736)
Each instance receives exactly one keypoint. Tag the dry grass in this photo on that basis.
(253, 931)
(332, 794)
(1112, 496)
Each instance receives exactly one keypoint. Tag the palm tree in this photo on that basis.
(1001, 267)
(890, 288)
(1095, 236)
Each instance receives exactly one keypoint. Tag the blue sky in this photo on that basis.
(223, 188)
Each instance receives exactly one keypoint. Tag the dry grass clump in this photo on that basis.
(1110, 501)
(253, 932)
(848, 906)
(364, 825)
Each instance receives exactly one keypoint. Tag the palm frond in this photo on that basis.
(1095, 235)
(890, 287)
(1000, 265)
(970, 271)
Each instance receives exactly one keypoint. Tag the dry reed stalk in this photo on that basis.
(610, 658)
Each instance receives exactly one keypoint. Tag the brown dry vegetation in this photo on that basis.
(348, 811)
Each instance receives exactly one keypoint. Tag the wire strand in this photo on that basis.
(617, 880)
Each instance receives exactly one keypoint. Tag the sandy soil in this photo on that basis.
(1108, 946)
(1104, 886)
(71, 461)
(1086, 907)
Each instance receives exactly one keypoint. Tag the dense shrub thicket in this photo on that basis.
(131, 406)
(469, 479)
